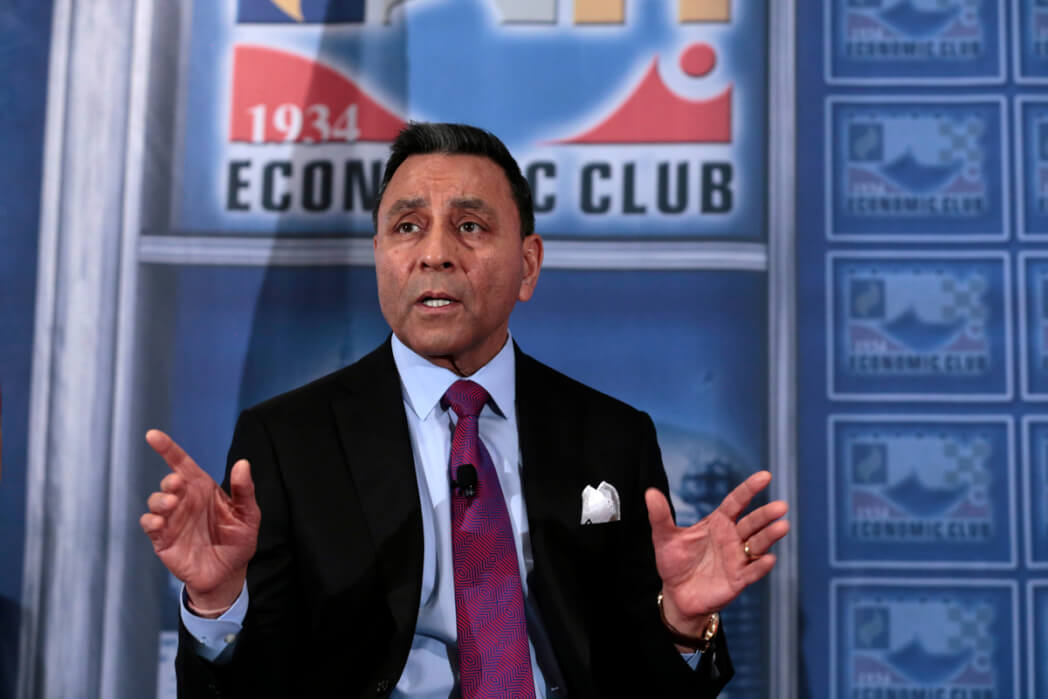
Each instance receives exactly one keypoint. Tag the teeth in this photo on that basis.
(436, 303)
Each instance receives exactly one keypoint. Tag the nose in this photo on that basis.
(439, 247)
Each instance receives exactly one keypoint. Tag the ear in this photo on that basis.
(531, 263)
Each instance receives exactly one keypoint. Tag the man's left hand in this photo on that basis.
(705, 566)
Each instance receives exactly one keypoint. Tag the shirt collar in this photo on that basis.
(424, 383)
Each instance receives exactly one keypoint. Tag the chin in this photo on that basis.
(434, 347)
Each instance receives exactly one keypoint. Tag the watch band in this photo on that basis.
(701, 644)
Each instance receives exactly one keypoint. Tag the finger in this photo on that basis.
(242, 487)
(758, 568)
(173, 483)
(174, 455)
(659, 514)
(763, 540)
(739, 499)
(162, 503)
(760, 518)
(152, 525)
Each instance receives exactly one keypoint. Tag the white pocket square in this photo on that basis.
(600, 504)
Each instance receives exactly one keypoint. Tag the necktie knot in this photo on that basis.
(465, 397)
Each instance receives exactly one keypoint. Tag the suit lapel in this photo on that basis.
(377, 446)
(544, 427)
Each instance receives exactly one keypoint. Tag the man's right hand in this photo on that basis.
(203, 536)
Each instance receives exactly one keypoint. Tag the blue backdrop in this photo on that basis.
(25, 29)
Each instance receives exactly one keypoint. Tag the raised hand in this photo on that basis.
(705, 566)
(204, 536)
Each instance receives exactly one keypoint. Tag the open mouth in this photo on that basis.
(436, 300)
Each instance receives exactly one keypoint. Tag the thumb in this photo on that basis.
(241, 487)
(659, 515)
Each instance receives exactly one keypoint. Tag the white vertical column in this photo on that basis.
(136, 584)
(782, 334)
(74, 346)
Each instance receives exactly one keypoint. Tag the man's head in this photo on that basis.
(420, 138)
(454, 250)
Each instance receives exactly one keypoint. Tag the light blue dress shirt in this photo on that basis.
(428, 672)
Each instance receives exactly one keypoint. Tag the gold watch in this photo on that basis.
(701, 643)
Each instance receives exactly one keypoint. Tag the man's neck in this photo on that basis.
(464, 365)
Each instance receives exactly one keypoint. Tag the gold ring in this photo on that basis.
(749, 554)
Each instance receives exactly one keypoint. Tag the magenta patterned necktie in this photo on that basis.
(494, 659)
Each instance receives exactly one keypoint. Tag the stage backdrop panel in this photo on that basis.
(642, 128)
(627, 116)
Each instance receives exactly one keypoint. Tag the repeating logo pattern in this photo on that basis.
(1031, 41)
(918, 327)
(921, 491)
(908, 41)
(924, 639)
(1032, 167)
(916, 170)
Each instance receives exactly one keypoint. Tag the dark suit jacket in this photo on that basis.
(335, 584)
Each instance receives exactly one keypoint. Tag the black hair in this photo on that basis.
(420, 138)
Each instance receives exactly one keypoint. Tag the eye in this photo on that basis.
(406, 227)
(469, 227)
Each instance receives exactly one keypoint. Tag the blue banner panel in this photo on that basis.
(918, 638)
(919, 169)
(629, 118)
(1031, 166)
(1031, 41)
(1035, 469)
(922, 491)
(916, 161)
(902, 42)
(919, 326)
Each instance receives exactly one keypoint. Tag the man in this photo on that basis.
(345, 561)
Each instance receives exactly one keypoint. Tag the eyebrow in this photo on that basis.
(467, 203)
(473, 204)
(405, 205)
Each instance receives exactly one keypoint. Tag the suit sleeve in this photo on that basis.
(265, 649)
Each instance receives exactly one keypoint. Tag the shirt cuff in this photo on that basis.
(213, 636)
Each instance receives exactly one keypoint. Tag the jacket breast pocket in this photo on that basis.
(598, 538)
(600, 559)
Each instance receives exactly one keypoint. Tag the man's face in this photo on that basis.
(449, 258)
